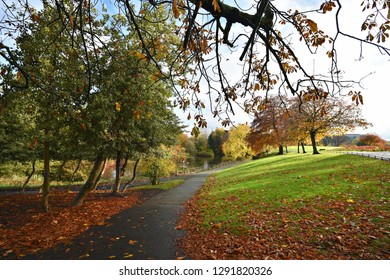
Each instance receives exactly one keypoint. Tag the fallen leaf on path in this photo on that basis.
(132, 242)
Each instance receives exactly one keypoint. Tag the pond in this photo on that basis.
(203, 162)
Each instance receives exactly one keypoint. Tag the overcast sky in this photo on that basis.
(376, 108)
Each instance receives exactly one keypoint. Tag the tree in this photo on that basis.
(216, 139)
(160, 163)
(270, 126)
(272, 54)
(236, 146)
(326, 115)
(371, 140)
(54, 68)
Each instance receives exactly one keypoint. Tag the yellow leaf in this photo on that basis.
(350, 200)
(112, 257)
(127, 256)
(117, 106)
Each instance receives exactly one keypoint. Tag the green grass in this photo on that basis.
(272, 182)
(162, 186)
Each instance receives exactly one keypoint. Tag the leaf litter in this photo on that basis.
(25, 229)
(316, 228)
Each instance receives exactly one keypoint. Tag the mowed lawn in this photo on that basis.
(328, 206)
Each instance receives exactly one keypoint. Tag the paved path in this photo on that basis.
(146, 231)
(378, 155)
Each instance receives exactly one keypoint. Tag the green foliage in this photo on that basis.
(159, 163)
(216, 140)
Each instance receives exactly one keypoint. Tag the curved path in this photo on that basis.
(377, 155)
(145, 231)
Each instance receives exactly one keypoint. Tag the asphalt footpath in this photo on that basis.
(143, 232)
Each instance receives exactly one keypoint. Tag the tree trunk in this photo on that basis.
(74, 174)
(117, 173)
(298, 146)
(123, 169)
(46, 176)
(90, 183)
(286, 150)
(131, 181)
(29, 176)
(280, 150)
(313, 142)
(303, 147)
(95, 184)
(60, 169)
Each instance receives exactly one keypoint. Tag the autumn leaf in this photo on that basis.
(132, 242)
(361, 99)
(35, 17)
(128, 256)
(216, 6)
(175, 9)
(117, 106)
(195, 131)
(71, 21)
(112, 257)
(312, 25)
(84, 256)
(19, 75)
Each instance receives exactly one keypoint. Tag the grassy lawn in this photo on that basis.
(296, 206)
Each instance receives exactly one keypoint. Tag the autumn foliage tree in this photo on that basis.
(279, 122)
(371, 140)
(270, 127)
(237, 146)
(316, 112)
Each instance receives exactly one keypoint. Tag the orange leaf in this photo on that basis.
(132, 242)
(216, 6)
(175, 9)
(313, 26)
